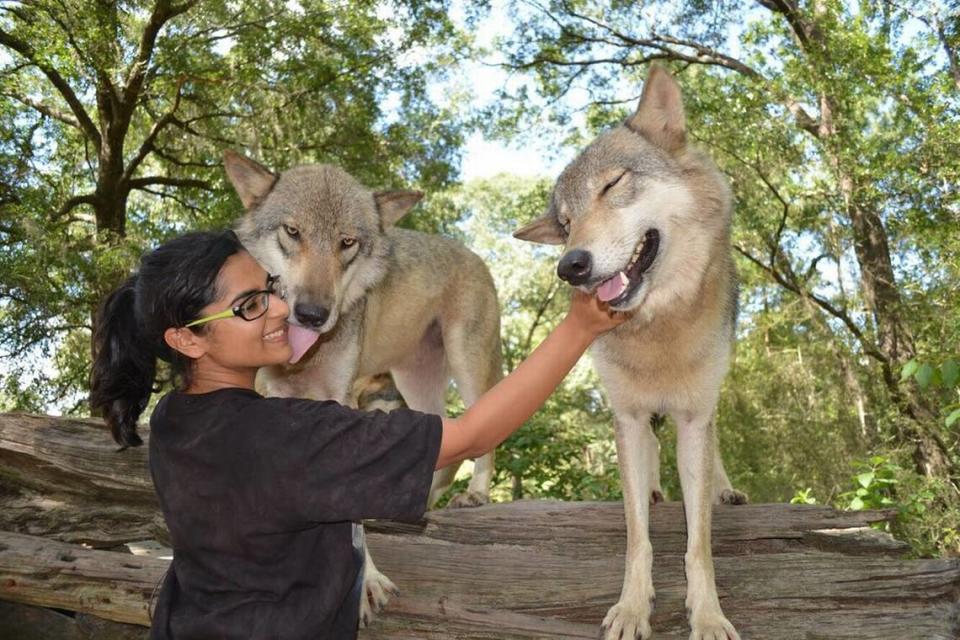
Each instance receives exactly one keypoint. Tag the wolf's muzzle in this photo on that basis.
(575, 267)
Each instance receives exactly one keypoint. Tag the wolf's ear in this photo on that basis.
(393, 205)
(545, 230)
(251, 180)
(659, 116)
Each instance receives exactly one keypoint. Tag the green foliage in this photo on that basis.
(876, 481)
(941, 379)
(287, 83)
(923, 519)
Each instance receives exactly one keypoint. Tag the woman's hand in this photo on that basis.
(591, 316)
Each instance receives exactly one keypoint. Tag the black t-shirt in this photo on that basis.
(260, 494)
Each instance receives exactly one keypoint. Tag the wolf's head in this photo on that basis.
(320, 230)
(641, 214)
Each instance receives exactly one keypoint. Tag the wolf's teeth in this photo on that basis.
(624, 279)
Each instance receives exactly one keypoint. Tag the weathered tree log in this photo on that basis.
(25, 622)
(517, 570)
(65, 479)
(550, 569)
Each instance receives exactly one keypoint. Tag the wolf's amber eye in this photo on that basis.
(347, 242)
(293, 232)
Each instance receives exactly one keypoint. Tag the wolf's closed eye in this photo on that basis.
(612, 183)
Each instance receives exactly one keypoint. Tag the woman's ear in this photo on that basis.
(185, 341)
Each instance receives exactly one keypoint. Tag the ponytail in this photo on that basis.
(175, 281)
(124, 365)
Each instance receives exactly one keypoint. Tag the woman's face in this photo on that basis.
(235, 343)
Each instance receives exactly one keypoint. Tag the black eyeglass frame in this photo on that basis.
(238, 309)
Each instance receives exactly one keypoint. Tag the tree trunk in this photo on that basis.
(878, 280)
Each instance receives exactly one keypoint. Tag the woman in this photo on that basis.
(260, 493)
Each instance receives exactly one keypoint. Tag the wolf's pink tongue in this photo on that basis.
(611, 288)
(300, 340)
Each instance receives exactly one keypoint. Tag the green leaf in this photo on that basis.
(856, 504)
(909, 369)
(950, 373)
(924, 375)
(865, 479)
(953, 417)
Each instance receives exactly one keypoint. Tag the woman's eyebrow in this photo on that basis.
(243, 294)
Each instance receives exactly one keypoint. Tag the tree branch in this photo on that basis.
(73, 203)
(147, 146)
(140, 183)
(665, 45)
(840, 314)
(163, 11)
(791, 14)
(24, 49)
(183, 203)
(46, 110)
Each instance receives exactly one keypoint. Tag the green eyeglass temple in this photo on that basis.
(238, 309)
(229, 313)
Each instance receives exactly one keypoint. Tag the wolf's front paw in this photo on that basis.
(377, 589)
(468, 499)
(732, 496)
(628, 621)
(712, 626)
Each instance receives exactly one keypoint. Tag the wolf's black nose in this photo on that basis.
(311, 315)
(575, 267)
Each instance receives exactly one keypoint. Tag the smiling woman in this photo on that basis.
(260, 494)
(251, 332)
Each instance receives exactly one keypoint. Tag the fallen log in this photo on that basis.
(64, 479)
(526, 569)
(496, 572)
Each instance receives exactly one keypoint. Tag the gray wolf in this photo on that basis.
(645, 223)
(367, 297)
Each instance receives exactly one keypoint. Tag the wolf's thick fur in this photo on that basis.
(420, 306)
(639, 201)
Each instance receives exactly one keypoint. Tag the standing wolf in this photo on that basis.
(646, 223)
(367, 297)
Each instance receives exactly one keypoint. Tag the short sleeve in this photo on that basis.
(331, 463)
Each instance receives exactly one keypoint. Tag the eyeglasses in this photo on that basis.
(249, 308)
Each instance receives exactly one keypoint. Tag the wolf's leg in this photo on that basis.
(695, 461)
(377, 588)
(636, 448)
(423, 386)
(723, 491)
(653, 467)
(473, 352)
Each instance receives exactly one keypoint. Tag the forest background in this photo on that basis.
(837, 123)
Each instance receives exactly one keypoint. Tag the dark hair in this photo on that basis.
(175, 281)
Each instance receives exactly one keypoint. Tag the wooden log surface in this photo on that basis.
(65, 479)
(529, 569)
(486, 573)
